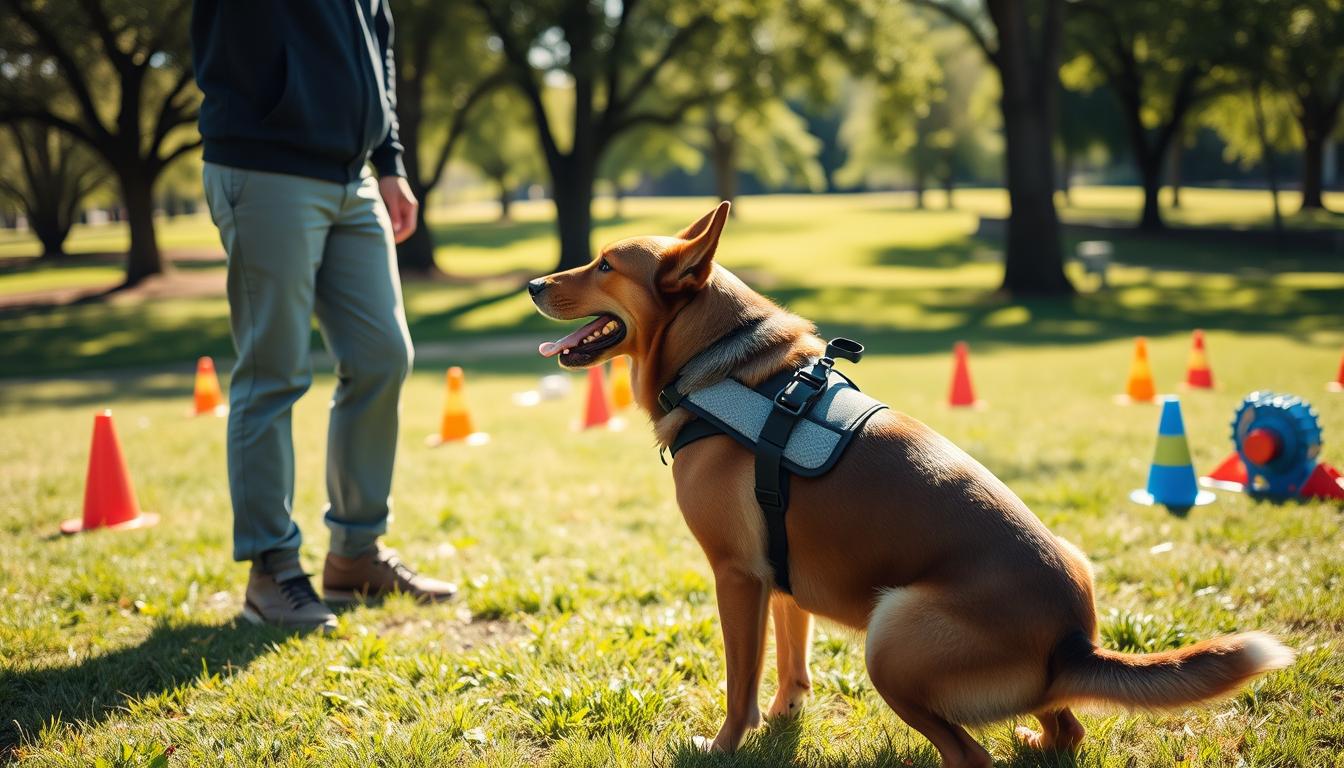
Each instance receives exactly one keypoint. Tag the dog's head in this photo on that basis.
(631, 290)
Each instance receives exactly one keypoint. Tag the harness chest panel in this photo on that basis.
(795, 423)
(818, 440)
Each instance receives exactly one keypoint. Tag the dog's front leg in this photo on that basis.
(743, 598)
(793, 641)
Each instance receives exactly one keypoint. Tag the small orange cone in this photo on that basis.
(1198, 375)
(622, 392)
(1140, 387)
(456, 424)
(1338, 384)
(962, 394)
(208, 398)
(109, 497)
(596, 412)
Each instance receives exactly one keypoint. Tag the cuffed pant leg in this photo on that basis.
(359, 308)
(274, 228)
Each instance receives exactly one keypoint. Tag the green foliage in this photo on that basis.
(928, 110)
(499, 144)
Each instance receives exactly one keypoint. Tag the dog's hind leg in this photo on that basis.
(913, 643)
(1060, 730)
(743, 598)
(793, 645)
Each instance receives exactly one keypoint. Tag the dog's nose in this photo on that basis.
(535, 287)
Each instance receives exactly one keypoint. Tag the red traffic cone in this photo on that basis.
(1198, 375)
(1229, 475)
(962, 394)
(597, 411)
(208, 398)
(1338, 384)
(1324, 482)
(109, 497)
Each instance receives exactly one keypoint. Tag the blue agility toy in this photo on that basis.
(1171, 478)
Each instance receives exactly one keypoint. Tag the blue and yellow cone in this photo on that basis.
(1171, 479)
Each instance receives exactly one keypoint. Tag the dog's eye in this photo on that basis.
(604, 266)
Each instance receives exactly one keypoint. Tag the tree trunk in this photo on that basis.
(1150, 169)
(948, 184)
(920, 184)
(618, 199)
(1313, 161)
(415, 255)
(1267, 155)
(723, 151)
(1066, 175)
(1033, 258)
(573, 192)
(143, 258)
(1177, 152)
(505, 199)
(50, 231)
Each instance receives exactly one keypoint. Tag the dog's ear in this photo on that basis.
(686, 265)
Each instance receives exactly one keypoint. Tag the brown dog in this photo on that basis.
(974, 611)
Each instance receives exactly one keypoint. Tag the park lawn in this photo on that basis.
(470, 239)
(587, 634)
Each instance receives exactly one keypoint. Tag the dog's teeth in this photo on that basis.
(611, 326)
(564, 351)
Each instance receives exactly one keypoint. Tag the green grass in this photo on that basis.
(587, 633)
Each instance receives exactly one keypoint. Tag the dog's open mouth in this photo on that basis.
(583, 346)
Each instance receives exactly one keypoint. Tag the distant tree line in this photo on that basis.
(574, 94)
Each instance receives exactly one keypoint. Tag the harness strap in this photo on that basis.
(795, 393)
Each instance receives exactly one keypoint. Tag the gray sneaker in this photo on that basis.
(285, 599)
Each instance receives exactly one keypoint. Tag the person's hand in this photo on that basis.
(401, 206)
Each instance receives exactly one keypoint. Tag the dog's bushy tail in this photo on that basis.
(1205, 670)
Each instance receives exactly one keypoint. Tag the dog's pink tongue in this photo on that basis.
(553, 348)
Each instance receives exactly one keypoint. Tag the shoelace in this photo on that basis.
(298, 591)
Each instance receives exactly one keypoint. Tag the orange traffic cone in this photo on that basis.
(109, 497)
(1140, 387)
(596, 412)
(1198, 375)
(962, 394)
(456, 424)
(622, 392)
(1338, 384)
(208, 398)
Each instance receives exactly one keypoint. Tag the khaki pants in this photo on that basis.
(298, 247)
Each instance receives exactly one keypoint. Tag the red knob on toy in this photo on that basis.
(1261, 445)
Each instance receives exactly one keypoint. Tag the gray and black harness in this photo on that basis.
(797, 422)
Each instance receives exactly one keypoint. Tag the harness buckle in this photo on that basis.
(799, 393)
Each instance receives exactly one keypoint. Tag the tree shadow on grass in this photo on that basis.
(173, 655)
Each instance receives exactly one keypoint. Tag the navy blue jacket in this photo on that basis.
(305, 87)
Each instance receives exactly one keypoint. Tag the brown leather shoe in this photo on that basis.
(377, 574)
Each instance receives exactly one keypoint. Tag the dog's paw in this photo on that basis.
(1029, 738)
(788, 702)
(703, 743)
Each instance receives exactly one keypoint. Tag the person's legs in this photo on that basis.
(274, 228)
(359, 308)
(360, 311)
